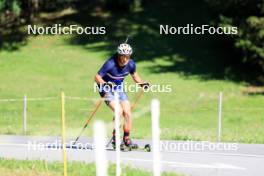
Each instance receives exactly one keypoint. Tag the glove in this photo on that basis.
(145, 85)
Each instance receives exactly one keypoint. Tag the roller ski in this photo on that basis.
(127, 146)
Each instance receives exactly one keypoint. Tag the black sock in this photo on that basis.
(113, 135)
(126, 134)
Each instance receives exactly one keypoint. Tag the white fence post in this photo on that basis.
(117, 135)
(219, 123)
(100, 153)
(155, 113)
(25, 115)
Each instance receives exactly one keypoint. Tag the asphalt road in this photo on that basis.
(189, 158)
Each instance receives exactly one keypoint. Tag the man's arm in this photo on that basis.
(137, 78)
(99, 80)
(103, 70)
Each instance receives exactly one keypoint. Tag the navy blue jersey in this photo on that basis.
(112, 72)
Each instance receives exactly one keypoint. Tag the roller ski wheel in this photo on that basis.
(147, 148)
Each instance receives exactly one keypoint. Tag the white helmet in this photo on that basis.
(124, 49)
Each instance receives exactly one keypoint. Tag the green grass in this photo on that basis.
(48, 65)
(43, 168)
(197, 68)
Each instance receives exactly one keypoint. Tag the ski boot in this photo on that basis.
(127, 144)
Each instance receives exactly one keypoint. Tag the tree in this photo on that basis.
(248, 16)
(9, 11)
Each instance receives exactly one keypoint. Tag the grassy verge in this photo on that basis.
(47, 65)
(188, 112)
(42, 168)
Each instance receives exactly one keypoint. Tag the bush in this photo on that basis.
(248, 16)
(10, 10)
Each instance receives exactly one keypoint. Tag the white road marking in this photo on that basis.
(13, 144)
(191, 165)
(217, 153)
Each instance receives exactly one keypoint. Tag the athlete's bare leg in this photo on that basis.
(127, 116)
(112, 107)
(125, 111)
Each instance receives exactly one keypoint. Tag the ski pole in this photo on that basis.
(137, 99)
(138, 96)
(127, 38)
(90, 118)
